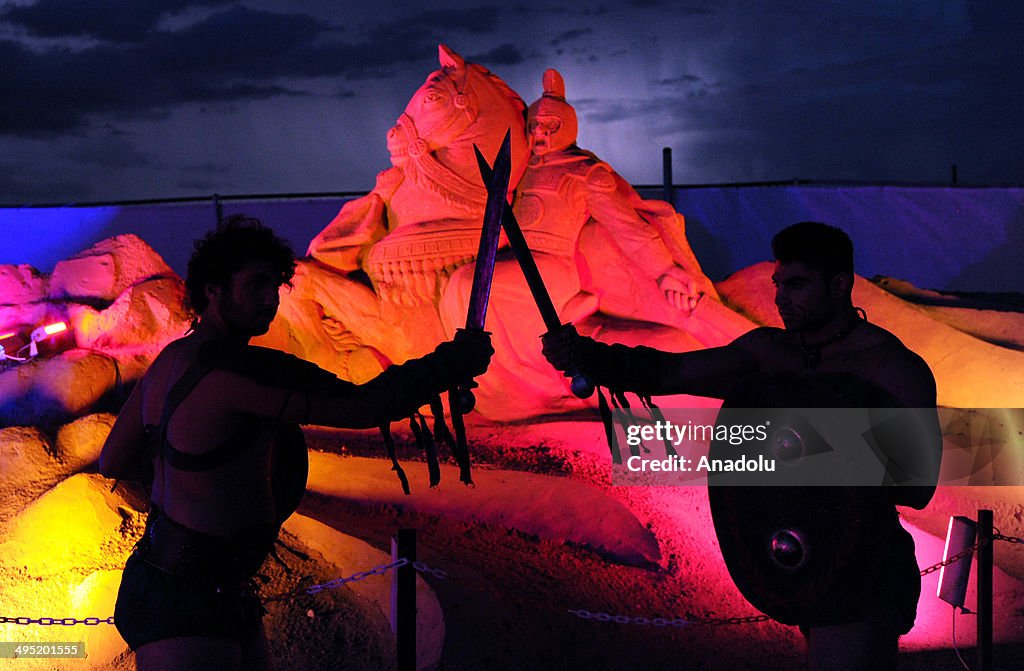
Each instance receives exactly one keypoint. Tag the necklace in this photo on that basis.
(812, 353)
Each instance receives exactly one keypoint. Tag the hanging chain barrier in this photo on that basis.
(750, 619)
(963, 553)
(955, 558)
(442, 575)
(356, 577)
(665, 622)
(312, 589)
(61, 621)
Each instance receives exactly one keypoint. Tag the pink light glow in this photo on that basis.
(55, 328)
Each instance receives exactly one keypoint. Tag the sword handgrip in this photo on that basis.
(581, 385)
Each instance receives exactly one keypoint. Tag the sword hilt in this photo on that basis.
(581, 385)
(461, 398)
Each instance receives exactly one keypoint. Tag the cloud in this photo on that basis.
(111, 152)
(900, 114)
(114, 20)
(207, 167)
(475, 20)
(681, 80)
(234, 54)
(570, 35)
(503, 54)
(671, 5)
(239, 91)
(28, 182)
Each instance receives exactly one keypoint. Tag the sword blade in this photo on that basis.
(582, 387)
(496, 180)
(530, 270)
(529, 267)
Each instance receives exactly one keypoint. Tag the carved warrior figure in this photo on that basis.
(391, 274)
(421, 221)
(617, 265)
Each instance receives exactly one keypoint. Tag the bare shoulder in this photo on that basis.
(762, 341)
(887, 347)
(165, 361)
(904, 372)
(173, 350)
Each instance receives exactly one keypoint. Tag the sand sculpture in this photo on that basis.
(390, 276)
(616, 265)
(367, 295)
(385, 281)
(121, 304)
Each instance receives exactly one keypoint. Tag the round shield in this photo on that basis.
(290, 469)
(800, 554)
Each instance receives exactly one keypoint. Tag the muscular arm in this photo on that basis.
(123, 447)
(906, 425)
(709, 372)
(712, 372)
(638, 239)
(359, 407)
(914, 387)
(276, 385)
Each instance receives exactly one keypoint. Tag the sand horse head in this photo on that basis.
(435, 226)
(459, 105)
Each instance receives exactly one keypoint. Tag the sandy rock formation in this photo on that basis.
(105, 270)
(122, 304)
(21, 284)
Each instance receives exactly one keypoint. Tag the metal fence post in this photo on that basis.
(403, 598)
(985, 590)
(666, 176)
(218, 209)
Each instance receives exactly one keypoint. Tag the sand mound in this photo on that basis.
(62, 557)
(994, 318)
(969, 372)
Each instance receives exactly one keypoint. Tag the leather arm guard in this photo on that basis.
(416, 382)
(619, 367)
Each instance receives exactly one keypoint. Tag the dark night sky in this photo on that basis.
(126, 99)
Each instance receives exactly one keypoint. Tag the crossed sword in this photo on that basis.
(497, 215)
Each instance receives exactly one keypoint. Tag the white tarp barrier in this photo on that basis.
(956, 238)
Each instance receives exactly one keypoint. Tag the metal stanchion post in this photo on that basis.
(666, 175)
(403, 598)
(985, 590)
(218, 210)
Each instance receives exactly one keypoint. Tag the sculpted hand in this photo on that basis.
(679, 289)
